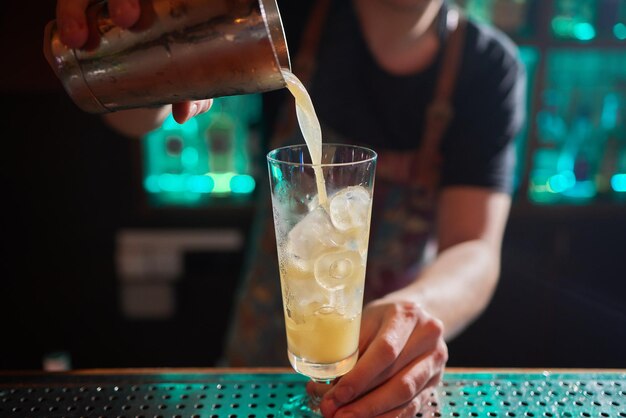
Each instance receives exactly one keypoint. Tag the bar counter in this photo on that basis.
(260, 393)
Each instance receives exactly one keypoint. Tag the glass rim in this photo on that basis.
(371, 158)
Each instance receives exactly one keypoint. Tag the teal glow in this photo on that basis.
(618, 182)
(561, 182)
(582, 190)
(200, 184)
(190, 127)
(619, 30)
(175, 174)
(277, 175)
(562, 27)
(584, 31)
(242, 183)
(565, 162)
(189, 157)
(546, 159)
(566, 27)
(171, 182)
(169, 123)
(551, 126)
(221, 182)
(151, 184)
(610, 111)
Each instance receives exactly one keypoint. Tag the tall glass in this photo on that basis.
(322, 252)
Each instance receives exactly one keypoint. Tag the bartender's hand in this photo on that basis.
(403, 355)
(72, 25)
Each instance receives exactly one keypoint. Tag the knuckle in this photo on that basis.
(435, 327)
(389, 350)
(407, 389)
(409, 310)
(441, 353)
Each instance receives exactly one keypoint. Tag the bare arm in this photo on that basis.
(459, 284)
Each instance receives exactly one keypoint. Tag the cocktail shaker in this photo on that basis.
(179, 50)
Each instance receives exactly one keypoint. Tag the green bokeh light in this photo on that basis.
(582, 190)
(221, 182)
(619, 30)
(561, 182)
(151, 184)
(618, 182)
(567, 27)
(171, 183)
(584, 31)
(200, 184)
(242, 183)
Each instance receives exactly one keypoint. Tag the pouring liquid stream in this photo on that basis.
(311, 130)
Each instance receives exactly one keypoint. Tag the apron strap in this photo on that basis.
(439, 114)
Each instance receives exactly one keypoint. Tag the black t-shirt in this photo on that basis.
(356, 98)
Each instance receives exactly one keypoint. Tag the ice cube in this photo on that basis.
(338, 269)
(313, 235)
(350, 208)
(293, 268)
(305, 293)
(303, 297)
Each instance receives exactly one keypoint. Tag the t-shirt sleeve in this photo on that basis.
(489, 104)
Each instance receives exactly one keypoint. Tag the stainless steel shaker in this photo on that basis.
(179, 50)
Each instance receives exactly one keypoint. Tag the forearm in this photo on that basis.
(457, 286)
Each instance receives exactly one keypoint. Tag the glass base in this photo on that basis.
(301, 406)
(323, 372)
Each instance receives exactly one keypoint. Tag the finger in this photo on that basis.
(404, 390)
(408, 410)
(124, 13)
(370, 325)
(426, 341)
(71, 22)
(384, 350)
(404, 411)
(184, 111)
(204, 106)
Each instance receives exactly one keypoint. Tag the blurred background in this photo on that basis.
(120, 253)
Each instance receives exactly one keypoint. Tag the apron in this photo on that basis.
(403, 212)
